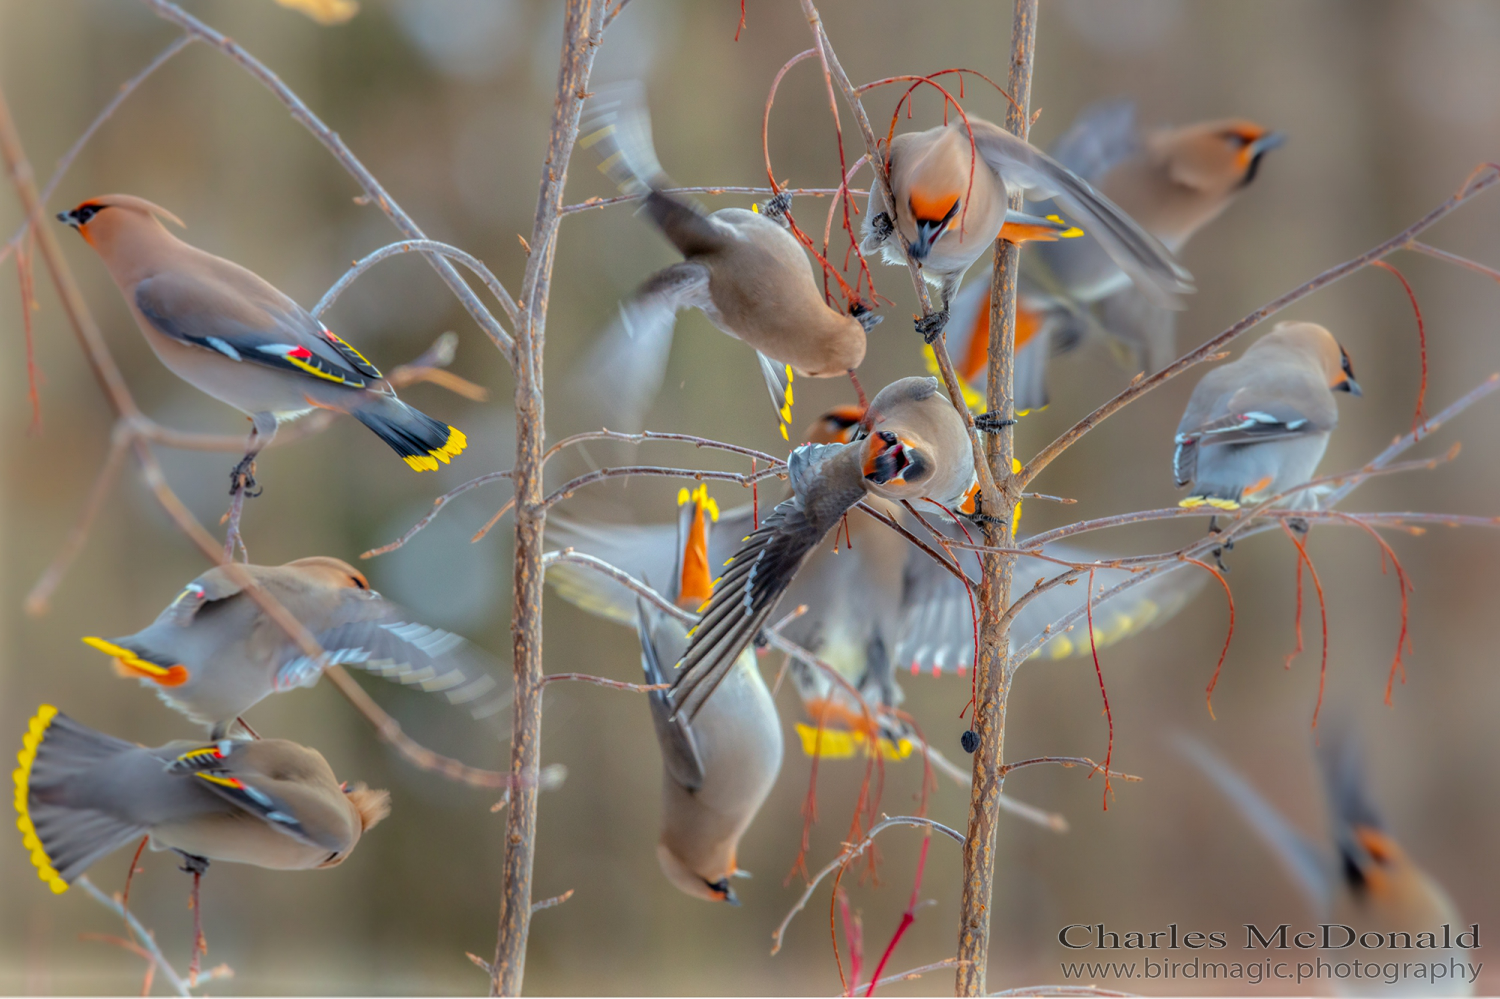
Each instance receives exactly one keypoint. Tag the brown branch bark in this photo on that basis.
(992, 672)
(583, 29)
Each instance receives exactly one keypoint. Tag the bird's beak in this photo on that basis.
(928, 233)
(1352, 387)
(67, 219)
(1267, 142)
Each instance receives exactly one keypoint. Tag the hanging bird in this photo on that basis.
(81, 794)
(718, 768)
(1258, 426)
(951, 197)
(1173, 182)
(213, 653)
(1369, 883)
(227, 332)
(743, 269)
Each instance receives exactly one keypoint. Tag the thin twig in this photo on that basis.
(426, 246)
(628, 199)
(600, 681)
(143, 936)
(851, 852)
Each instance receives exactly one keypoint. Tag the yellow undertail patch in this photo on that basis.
(1193, 502)
(128, 664)
(452, 448)
(841, 744)
(35, 733)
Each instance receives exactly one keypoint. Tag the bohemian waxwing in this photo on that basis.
(718, 768)
(81, 794)
(229, 333)
(213, 653)
(1369, 883)
(951, 204)
(1258, 426)
(743, 269)
(1173, 181)
(912, 446)
(874, 604)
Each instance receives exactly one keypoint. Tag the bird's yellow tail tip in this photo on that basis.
(36, 731)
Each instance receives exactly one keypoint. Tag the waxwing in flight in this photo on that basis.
(1368, 881)
(81, 794)
(229, 333)
(744, 269)
(1173, 182)
(213, 653)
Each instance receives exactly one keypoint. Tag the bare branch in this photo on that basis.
(906, 976)
(626, 471)
(600, 681)
(850, 852)
(426, 246)
(1453, 258)
(629, 199)
(437, 506)
(142, 935)
(548, 903)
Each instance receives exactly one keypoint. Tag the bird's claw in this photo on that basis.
(242, 478)
(775, 208)
(992, 423)
(867, 319)
(1298, 525)
(882, 226)
(193, 864)
(931, 327)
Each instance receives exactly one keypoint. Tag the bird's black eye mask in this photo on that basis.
(81, 215)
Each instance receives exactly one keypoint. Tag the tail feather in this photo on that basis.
(419, 439)
(64, 840)
(617, 126)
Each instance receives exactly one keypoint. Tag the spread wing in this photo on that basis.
(624, 370)
(386, 643)
(828, 482)
(937, 624)
(1102, 136)
(647, 552)
(1144, 324)
(1136, 251)
(1255, 415)
(239, 317)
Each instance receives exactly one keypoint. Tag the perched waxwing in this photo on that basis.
(213, 653)
(1369, 883)
(951, 204)
(743, 269)
(1258, 426)
(229, 333)
(81, 794)
(718, 768)
(1172, 181)
(912, 446)
(874, 602)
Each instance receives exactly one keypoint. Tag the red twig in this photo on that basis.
(907, 918)
(854, 934)
(130, 874)
(948, 99)
(1404, 583)
(1418, 419)
(741, 26)
(1298, 650)
(1322, 611)
(1224, 652)
(1109, 750)
(809, 812)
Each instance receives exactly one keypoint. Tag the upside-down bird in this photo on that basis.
(227, 332)
(213, 653)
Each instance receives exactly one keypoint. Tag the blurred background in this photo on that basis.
(1387, 105)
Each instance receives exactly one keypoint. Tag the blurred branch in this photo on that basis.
(437, 506)
(851, 852)
(906, 976)
(1453, 258)
(628, 199)
(600, 681)
(142, 935)
(626, 471)
(126, 89)
(1490, 176)
(335, 145)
